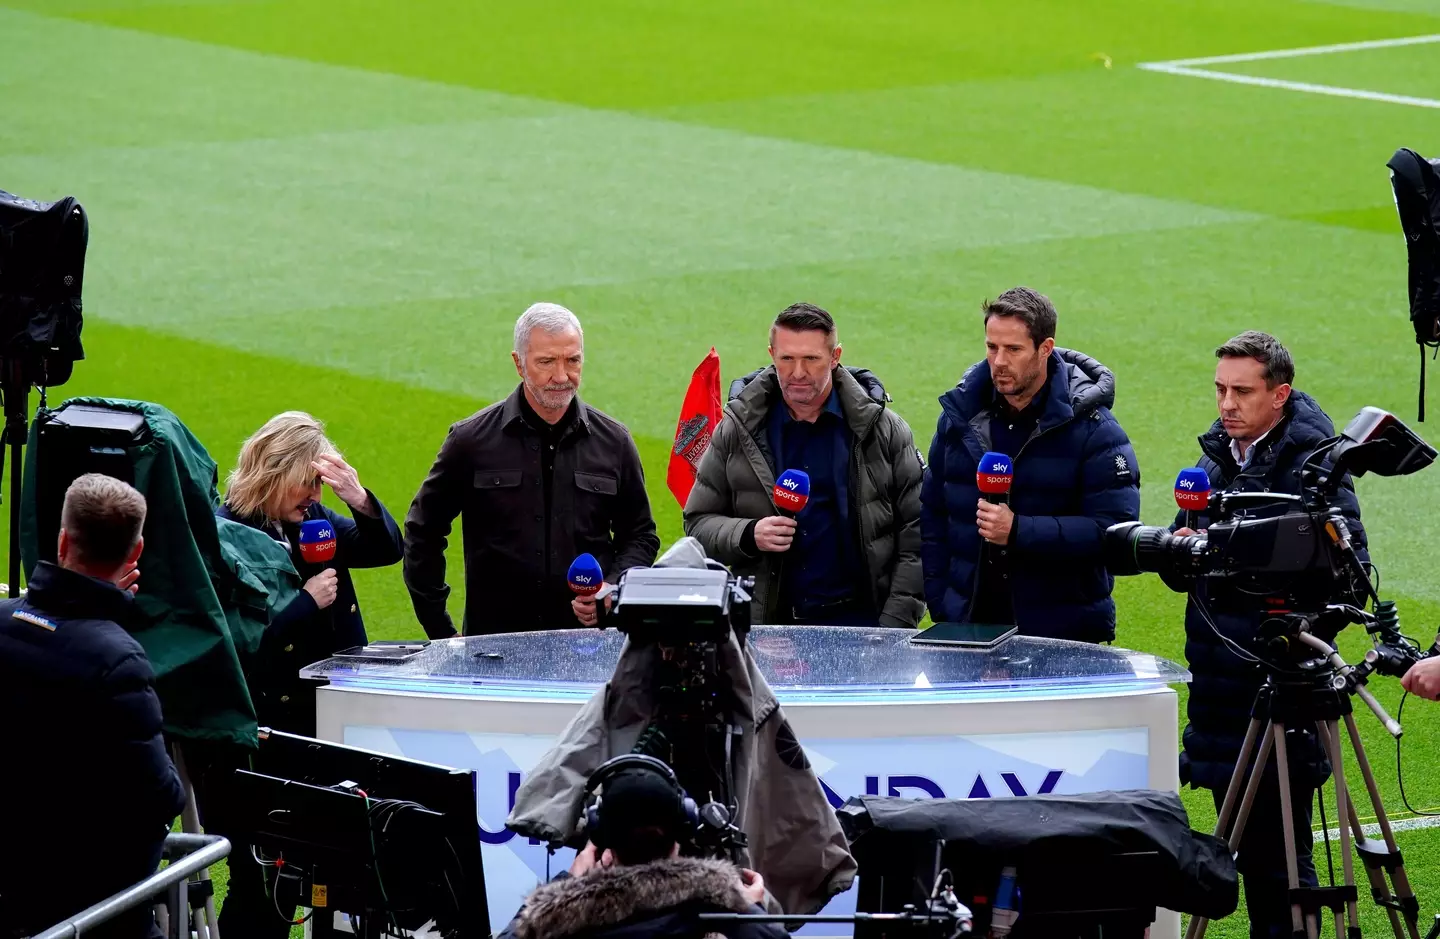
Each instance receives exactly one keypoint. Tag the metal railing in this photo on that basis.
(187, 854)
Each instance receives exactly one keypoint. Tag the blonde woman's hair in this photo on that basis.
(275, 458)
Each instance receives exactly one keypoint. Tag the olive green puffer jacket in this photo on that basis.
(737, 475)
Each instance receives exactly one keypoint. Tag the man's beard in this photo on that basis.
(1024, 383)
(553, 397)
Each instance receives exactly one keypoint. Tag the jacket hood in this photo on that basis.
(607, 897)
(1079, 385)
(862, 397)
(1305, 424)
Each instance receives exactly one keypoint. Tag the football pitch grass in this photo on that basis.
(343, 206)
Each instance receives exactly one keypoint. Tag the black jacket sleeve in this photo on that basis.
(633, 528)
(427, 531)
(143, 782)
(366, 541)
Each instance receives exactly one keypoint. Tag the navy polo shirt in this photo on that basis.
(822, 565)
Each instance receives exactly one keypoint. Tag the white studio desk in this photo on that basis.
(876, 715)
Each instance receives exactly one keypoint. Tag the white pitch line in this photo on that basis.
(1405, 824)
(1334, 91)
(1308, 50)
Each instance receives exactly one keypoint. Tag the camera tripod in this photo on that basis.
(1317, 694)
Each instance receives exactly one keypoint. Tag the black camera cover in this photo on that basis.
(1074, 853)
(42, 268)
(1416, 182)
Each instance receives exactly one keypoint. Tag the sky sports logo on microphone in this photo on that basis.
(585, 576)
(1192, 489)
(792, 490)
(317, 541)
(994, 474)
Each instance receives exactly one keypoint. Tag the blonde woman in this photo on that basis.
(276, 485)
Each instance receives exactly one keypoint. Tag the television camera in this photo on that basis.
(687, 607)
(1292, 559)
(42, 267)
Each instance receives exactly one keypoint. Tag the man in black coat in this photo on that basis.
(1265, 433)
(88, 789)
(539, 479)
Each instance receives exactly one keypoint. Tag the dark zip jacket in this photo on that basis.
(86, 772)
(1223, 685)
(1075, 477)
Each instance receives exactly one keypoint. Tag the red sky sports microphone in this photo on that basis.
(1192, 489)
(792, 491)
(585, 576)
(1192, 492)
(317, 541)
(994, 475)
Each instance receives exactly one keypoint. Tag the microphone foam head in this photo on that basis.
(317, 540)
(585, 576)
(1192, 489)
(994, 474)
(792, 490)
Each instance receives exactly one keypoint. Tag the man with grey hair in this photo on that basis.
(86, 762)
(539, 478)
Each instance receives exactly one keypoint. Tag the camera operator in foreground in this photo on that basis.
(1265, 433)
(87, 777)
(630, 880)
(687, 693)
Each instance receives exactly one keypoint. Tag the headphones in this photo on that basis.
(631, 762)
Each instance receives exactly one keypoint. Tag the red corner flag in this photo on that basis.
(698, 417)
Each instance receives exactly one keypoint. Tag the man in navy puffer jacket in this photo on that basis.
(1264, 435)
(1034, 561)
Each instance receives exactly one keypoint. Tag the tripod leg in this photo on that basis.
(1287, 825)
(1379, 888)
(1198, 924)
(1402, 893)
(1232, 791)
(1329, 732)
(207, 923)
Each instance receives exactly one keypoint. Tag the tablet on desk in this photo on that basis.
(964, 635)
(383, 651)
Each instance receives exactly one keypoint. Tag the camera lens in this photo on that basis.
(1133, 548)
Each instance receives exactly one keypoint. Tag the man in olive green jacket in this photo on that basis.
(852, 554)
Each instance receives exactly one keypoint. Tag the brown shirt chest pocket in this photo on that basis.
(595, 497)
(598, 484)
(498, 496)
(497, 479)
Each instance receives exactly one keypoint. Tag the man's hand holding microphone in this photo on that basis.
(587, 581)
(776, 533)
(993, 516)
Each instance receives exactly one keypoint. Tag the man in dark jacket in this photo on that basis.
(539, 478)
(1265, 433)
(86, 772)
(1033, 560)
(852, 556)
(637, 886)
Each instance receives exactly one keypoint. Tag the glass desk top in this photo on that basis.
(803, 664)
